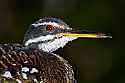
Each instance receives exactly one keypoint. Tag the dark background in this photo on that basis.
(93, 60)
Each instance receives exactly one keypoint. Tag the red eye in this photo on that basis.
(49, 28)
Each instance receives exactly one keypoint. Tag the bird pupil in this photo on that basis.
(49, 28)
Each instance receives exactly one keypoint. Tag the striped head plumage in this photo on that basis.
(45, 34)
(49, 34)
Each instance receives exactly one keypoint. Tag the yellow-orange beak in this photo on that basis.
(86, 35)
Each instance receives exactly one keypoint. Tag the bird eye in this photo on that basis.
(49, 28)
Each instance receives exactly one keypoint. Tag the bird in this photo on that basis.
(33, 61)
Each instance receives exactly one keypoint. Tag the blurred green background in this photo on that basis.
(93, 60)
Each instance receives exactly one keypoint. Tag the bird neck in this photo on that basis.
(32, 46)
(49, 45)
(54, 45)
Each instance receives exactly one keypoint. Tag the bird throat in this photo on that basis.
(55, 44)
(48, 45)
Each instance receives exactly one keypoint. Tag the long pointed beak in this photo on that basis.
(85, 34)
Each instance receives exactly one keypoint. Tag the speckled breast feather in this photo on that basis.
(50, 68)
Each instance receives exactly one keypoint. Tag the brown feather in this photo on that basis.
(51, 68)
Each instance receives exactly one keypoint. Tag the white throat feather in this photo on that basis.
(56, 44)
(50, 46)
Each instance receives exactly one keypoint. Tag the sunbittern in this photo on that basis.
(34, 60)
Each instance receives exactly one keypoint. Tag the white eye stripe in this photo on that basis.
(41, 38)
(47, 23)
(50, 23)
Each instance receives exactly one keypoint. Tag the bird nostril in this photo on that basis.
(59, 36)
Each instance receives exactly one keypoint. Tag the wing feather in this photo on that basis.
(51, 68)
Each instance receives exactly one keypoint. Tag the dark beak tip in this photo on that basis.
(102, 35)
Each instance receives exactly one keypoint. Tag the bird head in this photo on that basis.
(49, 34)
